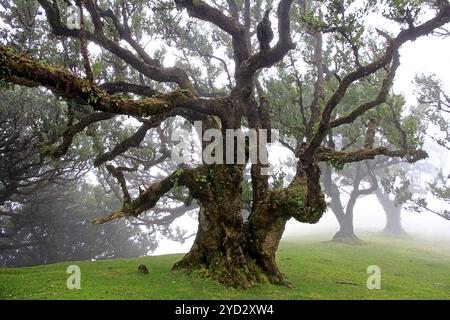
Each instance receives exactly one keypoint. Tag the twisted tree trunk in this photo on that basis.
(219, 246)
(242, 254)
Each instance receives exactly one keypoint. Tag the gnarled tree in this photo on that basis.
(234, 252)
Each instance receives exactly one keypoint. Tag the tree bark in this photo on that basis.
(218, 248)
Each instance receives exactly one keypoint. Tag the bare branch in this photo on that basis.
(148, 199)
(131, 142)
(409, 34)
(379, 99)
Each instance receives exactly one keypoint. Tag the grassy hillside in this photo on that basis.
(318, 270)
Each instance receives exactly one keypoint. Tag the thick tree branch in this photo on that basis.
(84, 45)
(71, 131)
(131, 142)
(201, 10)
(118, 174)
(180, 102)
(125, 87)
(341, 158)
(319, 90)
(370, 133)
(267, 58)
(234, 10)
(123, 31)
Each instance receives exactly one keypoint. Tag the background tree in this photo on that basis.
(53, 225)
(46, 207)
(26, 128)
(292, 92)
(435, 105)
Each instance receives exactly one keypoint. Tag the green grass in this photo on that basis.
(318, 270)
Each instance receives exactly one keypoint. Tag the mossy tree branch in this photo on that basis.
(15, 66)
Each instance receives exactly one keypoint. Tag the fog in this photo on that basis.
(369, 219)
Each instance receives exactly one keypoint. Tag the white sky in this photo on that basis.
(425, 55)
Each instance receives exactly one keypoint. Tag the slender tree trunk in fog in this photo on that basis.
(346, 233)
(393, 215)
